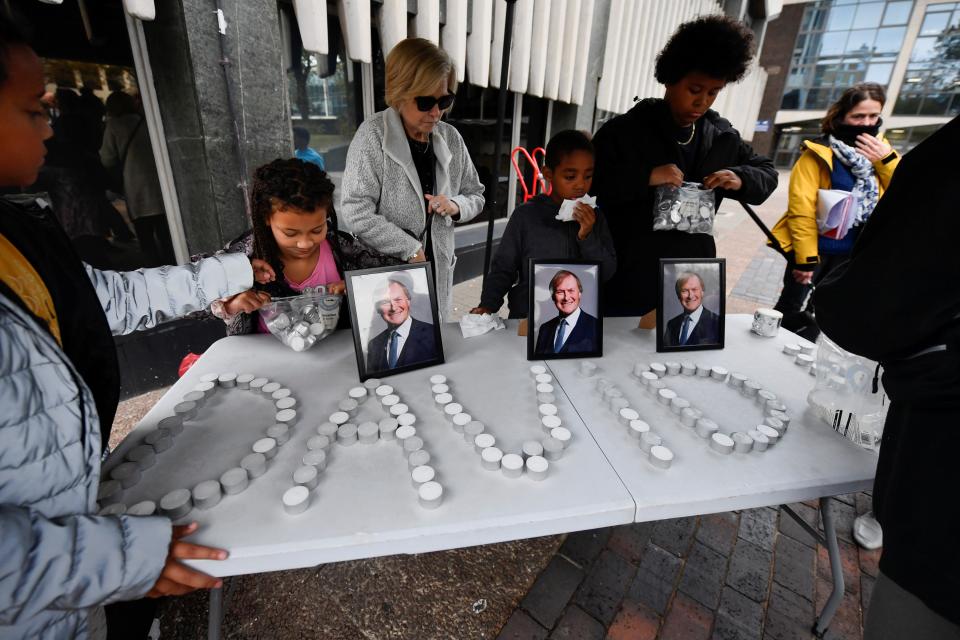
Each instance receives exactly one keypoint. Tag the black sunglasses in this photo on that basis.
(425, 103)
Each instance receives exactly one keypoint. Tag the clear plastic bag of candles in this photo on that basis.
(304, 320)
(689, 208)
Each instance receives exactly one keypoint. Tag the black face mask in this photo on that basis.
(847, 133)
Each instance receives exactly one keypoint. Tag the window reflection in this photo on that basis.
(932, 81)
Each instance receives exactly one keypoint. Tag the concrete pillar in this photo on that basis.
(183, 44)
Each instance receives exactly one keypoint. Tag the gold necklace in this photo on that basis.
(693, 132)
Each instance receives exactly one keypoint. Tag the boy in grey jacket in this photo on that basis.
(60, 562)
(534, 232)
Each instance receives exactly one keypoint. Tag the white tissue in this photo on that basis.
(567, 207)
(475, 324)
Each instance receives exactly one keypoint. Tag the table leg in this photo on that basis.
(215, 618)
(828, 539)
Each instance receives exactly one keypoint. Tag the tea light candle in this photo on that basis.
(244, 380)
(721, 443)
(329, 429)
(770, 432)
(775, 406)
(782, 416)
(742, 442)
(384, 390)
(255, 464)
(440, 388)
(117, 509)
(660, 456)
(544, 387)
(618, 404)
(280, 433)
(647, 377)
(688, 368)
(628, 415)
(257, 384)
(209, 377)
(750, 388)
(532, 448)
(649, 440)
(160, 440)
(406, 419)
(544, 378)
(286, 416)
(562, 434)
(286, 403)
(552, 448)
(306, 476)
(656, 385)
(390, 400)
(536, 370)
(316, 458)
(318, 443)
(196, 397)
(791, 349)
(172, 424)
(296, 500)
(546, 398)
(270, 387)
(176, 504)
(399, 409)
(638, 428)
(807, 348)
(453, 409)
(666, 396)
(460, 421)
(639, 368)
(706, 427)
(368, 433)
(358, 393)
(127, 473)
(206, 495)
(658, 368)
(412, 444)
(145, 508)
(388, 428)
(482, 441)
(703, 370)
(803, 360)
(760, 441)
(677, 405)
(673, 368)
(776, 424)
(422, 474)
(719, 373)
(549, 423)
(405, 432)
(338, 418)
(371, 384)
(417, 459)
(736, 380)
(472, 430)
(763, 396)
(438, 379)
(186, 410)
(281, 393)
(512, 465)
(265, 446)
(537, 467)
(689, 417)
(430, 495)
(143, 456)
(490, 458)
(443, 399)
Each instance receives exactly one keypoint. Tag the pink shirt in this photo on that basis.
(324, 273)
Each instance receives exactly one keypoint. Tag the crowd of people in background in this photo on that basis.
(409, 180)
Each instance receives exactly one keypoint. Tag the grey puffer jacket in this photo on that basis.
(383, 197)
(59, 562)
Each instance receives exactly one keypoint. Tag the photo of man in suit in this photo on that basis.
(697, 325)
(573, 330)
(406, 340)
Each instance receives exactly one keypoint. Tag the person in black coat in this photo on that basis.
(669, 141)
(897, 301)
(579, 334)
(696, 325)
(406, 340)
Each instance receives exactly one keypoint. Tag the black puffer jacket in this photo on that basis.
(897, 301)
(628, 148)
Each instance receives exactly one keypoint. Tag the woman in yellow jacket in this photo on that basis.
(849, 156)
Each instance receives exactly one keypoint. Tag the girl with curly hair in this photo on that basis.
(295, 232)
(670, 140)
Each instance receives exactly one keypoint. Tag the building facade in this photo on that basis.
(819, 48)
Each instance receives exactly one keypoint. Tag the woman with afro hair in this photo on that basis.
(670, 140)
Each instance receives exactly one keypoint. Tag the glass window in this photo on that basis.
(840, 18)
(924, 49)
(889, 40)
(908, 103)
(879, 73)
(935, 104)
(868, 16)
(897, 13)
(833, 44)
(861, 42)
(934, 24)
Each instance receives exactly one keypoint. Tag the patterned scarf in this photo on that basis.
(865, 190)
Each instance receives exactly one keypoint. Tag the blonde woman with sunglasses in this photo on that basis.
(409, 177)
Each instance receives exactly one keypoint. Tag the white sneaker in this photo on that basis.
(867, 531)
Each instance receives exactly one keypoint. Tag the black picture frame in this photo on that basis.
(588, 341)
(370, 328)
(707, 335)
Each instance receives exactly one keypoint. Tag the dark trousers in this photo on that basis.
(795, 303)
(154, 237)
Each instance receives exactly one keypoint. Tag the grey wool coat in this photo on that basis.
(59, 560)
(382, 196)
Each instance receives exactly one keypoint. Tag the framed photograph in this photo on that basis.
(564, 318)
(691, 306)
(396, 326)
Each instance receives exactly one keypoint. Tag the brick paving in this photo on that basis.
(729, 576)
